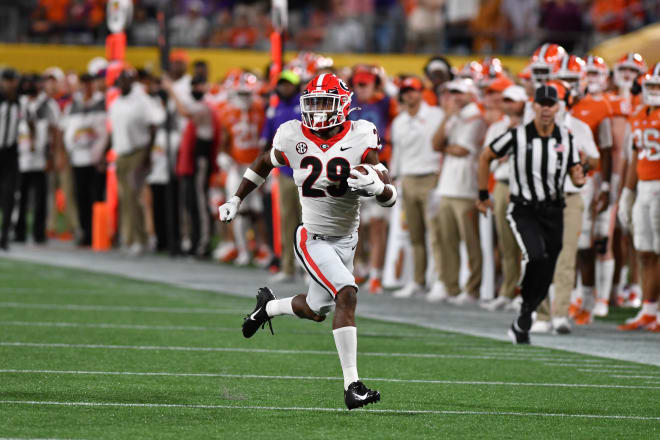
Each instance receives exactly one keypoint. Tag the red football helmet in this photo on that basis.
(325, 102)
(491, 70)
(651, 86)
(473, 70)
(545, 62)
(596, 74)
(627, 69)
(571, 70)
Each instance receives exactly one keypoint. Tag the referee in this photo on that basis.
(10, 114)
(541, 154)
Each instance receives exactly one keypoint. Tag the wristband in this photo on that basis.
(483, 195)
(389, 202)
(253, 177)
(605, 187)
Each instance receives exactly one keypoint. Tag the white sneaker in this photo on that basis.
(561, 325)
(501, 302)
(243, 259)
(438, 293)
(514, 305)
(408, 290)
(462, 299)
(541, 327)
(136, 250)
(282, 277)
(602, 308)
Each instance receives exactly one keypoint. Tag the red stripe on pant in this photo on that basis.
(312, 264)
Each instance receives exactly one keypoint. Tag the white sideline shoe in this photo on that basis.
(438, 293)
(408, 290)
(282, 277)
(541, 327)
(515, 304)
(602, 308)
(499, 303)
(462, 299)
(561, 325)
(243, 259)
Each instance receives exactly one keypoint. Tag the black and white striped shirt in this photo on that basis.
(10, 114)
(537, 165)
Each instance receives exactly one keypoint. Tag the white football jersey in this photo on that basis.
(321, 169)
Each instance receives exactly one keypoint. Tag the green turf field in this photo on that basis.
(84, 355)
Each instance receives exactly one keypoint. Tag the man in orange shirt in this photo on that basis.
(242, 117)
(643, 175)
(626, 70)
(594, 110)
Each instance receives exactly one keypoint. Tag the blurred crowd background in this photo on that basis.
(373, 26)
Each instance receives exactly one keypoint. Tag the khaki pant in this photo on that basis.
(506, 242)
(63, 179)
(416, 191)
(131, 172)
(459, 221)
(289, 220)
(564, 278)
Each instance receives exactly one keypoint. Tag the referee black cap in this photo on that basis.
(10, 74)
(546, 95)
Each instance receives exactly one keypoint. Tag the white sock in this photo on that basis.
(279, 307)
(374, 273)
(623, 278)
(650, 308)
(240, 233)
(346, 342)
(588, 299)
(604, 275)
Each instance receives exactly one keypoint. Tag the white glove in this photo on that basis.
(369, 182)
(229, 210)
(625, 207)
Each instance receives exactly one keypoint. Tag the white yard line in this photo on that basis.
(92, 307)
(630, 376)
(321, 409)
(608, 369)
(590, 363)
(273, 351)
(325, 378)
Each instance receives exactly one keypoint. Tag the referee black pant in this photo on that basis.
(89, 186)
(8, 181)
(538, 230)
(33, 187)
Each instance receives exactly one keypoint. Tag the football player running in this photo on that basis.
(643, 176)
(322, 150)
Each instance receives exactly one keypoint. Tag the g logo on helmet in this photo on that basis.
(301, 148)
(119, 15)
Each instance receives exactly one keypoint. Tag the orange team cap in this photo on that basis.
(500, 84)
(179, 55)
(411, 83)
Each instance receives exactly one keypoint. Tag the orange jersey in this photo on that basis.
(623, 106)
(595, 111)
(645, 128)
(243, 128)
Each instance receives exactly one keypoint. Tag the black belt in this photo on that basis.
(542, 204)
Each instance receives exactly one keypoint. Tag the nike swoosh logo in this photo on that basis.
(362, 397)
(255, 312)
(344, 149)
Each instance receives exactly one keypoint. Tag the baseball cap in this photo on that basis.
(179, 55)
(546, 94)
(500, 84)
(290, 76)
(411, 83)
(461, 85)
(9, 74)
(515, 93)
(364, 76)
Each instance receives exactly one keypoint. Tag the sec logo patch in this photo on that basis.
(301, 148)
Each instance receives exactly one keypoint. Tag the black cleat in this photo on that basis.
(358, 395)
(518, 336)
(259, 317)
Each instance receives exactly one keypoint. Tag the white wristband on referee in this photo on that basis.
(273, 159)
(253, 177)
(605, 187)
(389, 202)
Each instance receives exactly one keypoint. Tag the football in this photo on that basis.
(362, 168)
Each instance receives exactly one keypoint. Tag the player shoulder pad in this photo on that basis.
(368, 131)
(285, 133)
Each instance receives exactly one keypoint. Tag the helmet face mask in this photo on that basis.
(325, 102)
(627, 69)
